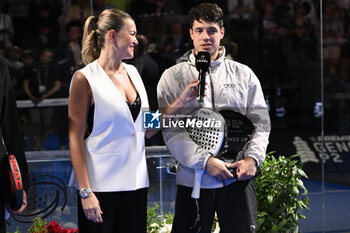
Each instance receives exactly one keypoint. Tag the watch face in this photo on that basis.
(84, 192)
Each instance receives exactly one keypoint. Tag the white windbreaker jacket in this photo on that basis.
(231, 85)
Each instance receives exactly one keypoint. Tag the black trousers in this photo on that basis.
(123, 212)
(235, 205)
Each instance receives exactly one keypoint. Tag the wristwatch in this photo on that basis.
(85, 192)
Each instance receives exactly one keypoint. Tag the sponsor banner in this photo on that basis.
(333, 149)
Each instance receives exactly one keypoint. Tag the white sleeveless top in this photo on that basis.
(115, 149)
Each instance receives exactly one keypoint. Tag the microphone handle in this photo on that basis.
(201, 86)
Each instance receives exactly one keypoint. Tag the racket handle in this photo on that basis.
(233, 171)
(197, 183)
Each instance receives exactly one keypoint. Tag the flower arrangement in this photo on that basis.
(41, 226)
(53, 227)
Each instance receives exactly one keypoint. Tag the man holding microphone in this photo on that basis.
(230, 85)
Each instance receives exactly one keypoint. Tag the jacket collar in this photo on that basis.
(189, 57)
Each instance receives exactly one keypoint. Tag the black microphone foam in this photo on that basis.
(202, 65)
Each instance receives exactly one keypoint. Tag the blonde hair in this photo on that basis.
(95, 30)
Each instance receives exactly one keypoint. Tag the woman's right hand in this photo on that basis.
(190, 92)
(187, 95)
(92, 209)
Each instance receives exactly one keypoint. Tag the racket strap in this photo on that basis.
(198, 174)
(197, 222)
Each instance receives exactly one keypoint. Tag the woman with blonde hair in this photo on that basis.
(106, 135)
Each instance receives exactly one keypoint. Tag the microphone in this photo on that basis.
(202, 65)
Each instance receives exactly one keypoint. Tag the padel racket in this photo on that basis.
(13, 182)
(224, 134)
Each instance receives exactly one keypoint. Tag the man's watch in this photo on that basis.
(85, 192)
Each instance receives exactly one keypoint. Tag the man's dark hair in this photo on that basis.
(209, 12)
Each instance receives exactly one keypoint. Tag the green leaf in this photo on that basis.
(295, 190)
(262, 214)
(281, 225)
(274, 229)
(294, 156)
(302, 173)
(269, 198)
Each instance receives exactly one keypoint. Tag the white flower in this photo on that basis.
(217, 227)
(154, 225)
(166, 228)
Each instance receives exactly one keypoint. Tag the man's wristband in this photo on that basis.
(206, 164)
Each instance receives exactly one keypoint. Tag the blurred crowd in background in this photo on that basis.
(279, 39)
